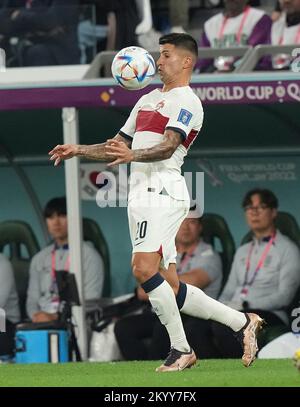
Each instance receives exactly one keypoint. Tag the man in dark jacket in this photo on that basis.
(47, 30)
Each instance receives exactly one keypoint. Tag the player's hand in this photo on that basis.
(63, 152)
(120, 150)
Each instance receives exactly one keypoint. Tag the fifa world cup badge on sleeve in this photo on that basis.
(184, 117)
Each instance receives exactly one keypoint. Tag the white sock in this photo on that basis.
(197, 304)
(164, 304)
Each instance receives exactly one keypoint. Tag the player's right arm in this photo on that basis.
(92, 152)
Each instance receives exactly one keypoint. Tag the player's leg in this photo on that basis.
(193, 301)
(145, 268)
(153, 229)
(246, 326)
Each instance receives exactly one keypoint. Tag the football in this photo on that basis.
(133, 68)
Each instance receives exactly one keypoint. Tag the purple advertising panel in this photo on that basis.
(85, 94)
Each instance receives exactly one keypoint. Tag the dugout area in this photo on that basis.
(248, 139)
(241, 145)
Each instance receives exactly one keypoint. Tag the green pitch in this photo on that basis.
(207, 373)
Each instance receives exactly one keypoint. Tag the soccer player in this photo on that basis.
(155, 139)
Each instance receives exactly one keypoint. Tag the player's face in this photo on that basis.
(58, 227)
(171, 62)
(189, 231)
(259, 216)
(290, 6)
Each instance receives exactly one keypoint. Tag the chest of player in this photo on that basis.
(153, 116)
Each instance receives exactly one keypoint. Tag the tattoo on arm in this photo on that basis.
(161, 151)
(97, 151)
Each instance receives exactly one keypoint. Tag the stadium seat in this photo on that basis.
(19, 243)
(92, 233)
(288, 226)
(216, 232)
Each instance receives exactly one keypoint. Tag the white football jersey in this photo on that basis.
(223, 34)
(178, 109)
(281, 34)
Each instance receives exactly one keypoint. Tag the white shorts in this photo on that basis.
(154, 221)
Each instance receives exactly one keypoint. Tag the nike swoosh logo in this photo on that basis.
(136, 244)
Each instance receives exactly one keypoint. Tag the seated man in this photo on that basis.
(265, 273)
(285, 31)
(48, 30)
(42, 297)
(10, 304)
(197, 264)
(7, 7)
(238, 25)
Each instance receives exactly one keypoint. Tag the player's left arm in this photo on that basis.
(162, 151)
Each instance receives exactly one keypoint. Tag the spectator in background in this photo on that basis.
(7, 7)
(147, 36)
(239, 25)
(121, 19)
(178, 19)
(277, 12)
(197, 264)
(4, 29)
(179, 15)
(4, 17)
(47, 32)
(252, 3)
(265, 273)
(42, 297)
(10, 304)
(286, 30)
(127, 20)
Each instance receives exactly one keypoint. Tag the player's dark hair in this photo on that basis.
(267, 197)
(185, 41)
(56, 205)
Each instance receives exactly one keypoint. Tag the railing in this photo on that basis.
(100, 66)
(291, 52)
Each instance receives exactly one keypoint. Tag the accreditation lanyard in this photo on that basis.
(53, 264)
(260, 263)
(240, 30)
(185, 258)
(297, 38)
